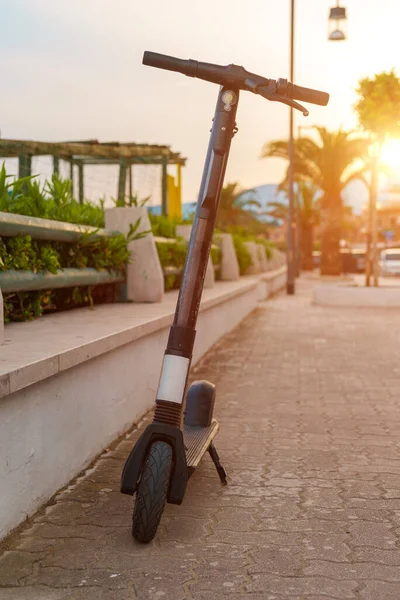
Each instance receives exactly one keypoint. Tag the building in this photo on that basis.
(388, 213)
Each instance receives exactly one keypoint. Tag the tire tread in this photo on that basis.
(152, 492)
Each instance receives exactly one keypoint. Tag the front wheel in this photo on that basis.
(152, 492)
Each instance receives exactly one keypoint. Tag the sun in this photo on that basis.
(391, 154)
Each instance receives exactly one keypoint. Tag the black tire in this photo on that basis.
(152, 492)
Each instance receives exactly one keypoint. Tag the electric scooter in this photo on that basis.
(168, 451)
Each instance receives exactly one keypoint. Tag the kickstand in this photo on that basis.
(215, 458)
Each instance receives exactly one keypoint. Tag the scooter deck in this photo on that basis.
(197, 440)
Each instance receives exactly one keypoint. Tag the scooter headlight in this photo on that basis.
(228, 98)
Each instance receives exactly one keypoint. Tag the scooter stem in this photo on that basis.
(178, 355)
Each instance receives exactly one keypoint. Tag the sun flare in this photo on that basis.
(391, 154)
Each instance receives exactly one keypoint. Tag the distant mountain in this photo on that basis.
(355, 195)
(264, 194)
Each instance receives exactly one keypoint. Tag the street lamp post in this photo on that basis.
(291, 269)
(337, 17)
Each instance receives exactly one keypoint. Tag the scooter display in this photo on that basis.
(183, 427)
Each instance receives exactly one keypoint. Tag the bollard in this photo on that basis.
(262, 257)
(144, 275)
(229, 264)
(255, 267)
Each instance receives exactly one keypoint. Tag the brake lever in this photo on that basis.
(269, 93)
(289, 102)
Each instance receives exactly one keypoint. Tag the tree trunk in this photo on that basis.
(307, 262)
(331, 220)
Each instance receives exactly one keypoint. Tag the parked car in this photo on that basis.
(389, 263)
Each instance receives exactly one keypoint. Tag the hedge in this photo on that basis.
(55, 201)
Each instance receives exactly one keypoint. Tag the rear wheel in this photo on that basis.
(152, 492)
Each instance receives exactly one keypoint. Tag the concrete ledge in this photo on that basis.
(357, 297)
(271, 282)
(72, 383)
(39, 349)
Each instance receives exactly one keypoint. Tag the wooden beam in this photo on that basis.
(179, 186)
(71, 176)
(87, 160)
(81, 183)
(164, 193)
(14, 148)
(122, 180)
(130, 181)
(56, 165)
(24, 165)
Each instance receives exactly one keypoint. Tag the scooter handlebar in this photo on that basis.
(223, 75)
(162, 61)
(234, 75)
(296, 92)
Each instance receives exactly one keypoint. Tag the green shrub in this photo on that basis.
(166, 226)
(55, 201)
(130, 201)
(216, 255)
(163, 226)
(52, 201)
(172, 255)
(269, 246)
(242, 254)
(25, 306)
(241, 235)
(23, 253)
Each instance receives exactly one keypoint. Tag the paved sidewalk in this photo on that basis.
(309, 404)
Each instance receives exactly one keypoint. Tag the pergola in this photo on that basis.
(93, 152)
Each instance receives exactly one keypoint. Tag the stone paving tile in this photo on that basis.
(310, 438)
(374, 590)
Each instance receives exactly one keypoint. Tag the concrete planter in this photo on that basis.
(254, 268)
(277, 260)
(145, 278)
(262, 257)
(229, 264)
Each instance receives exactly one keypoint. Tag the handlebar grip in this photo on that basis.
(296, 92)
(169, 63)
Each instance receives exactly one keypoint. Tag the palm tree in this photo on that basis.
(233, 206)
(308, 207)
(330, 164)
(308, 203)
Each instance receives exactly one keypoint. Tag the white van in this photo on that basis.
(389, 263)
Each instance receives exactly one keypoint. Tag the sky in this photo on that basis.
(72, 70)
